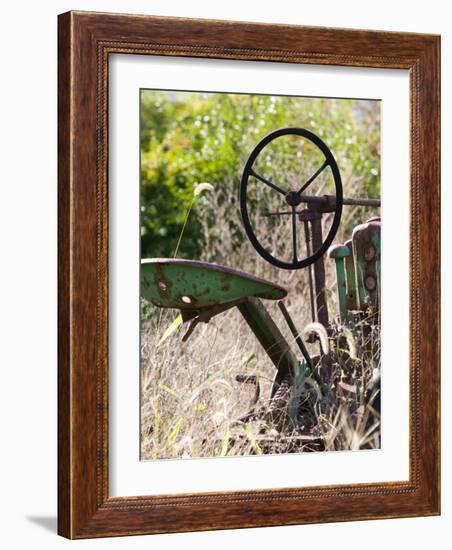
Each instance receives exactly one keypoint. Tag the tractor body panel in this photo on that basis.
(358, 269)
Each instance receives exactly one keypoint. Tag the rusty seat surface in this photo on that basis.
(192, 284)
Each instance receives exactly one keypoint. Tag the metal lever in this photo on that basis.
(191, 328)
(299, 341)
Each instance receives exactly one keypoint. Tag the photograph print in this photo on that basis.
(260, 274)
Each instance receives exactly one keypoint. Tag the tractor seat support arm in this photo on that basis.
(269, 336)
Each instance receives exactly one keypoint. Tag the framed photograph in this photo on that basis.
(248, 275)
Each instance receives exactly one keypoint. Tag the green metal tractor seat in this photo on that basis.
(195, 285)
(202, 290)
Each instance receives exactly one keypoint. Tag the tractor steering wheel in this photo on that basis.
(293, 198)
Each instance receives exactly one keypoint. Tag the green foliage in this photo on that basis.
(147, 310)
(188, 138)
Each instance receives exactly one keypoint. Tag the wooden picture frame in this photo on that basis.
(85, 42)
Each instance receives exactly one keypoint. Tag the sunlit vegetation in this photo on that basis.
(191, 403)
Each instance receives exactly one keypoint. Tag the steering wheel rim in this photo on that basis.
(249, 172)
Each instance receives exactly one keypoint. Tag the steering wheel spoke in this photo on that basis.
(313, 177)
(294, 236)
(267, 182)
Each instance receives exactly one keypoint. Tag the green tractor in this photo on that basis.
(303, 384)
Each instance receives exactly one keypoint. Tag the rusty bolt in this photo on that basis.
(369, 252)
(370, 282)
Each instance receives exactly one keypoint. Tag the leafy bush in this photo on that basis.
(188, 138)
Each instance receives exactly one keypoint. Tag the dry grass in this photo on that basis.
(191, 402)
